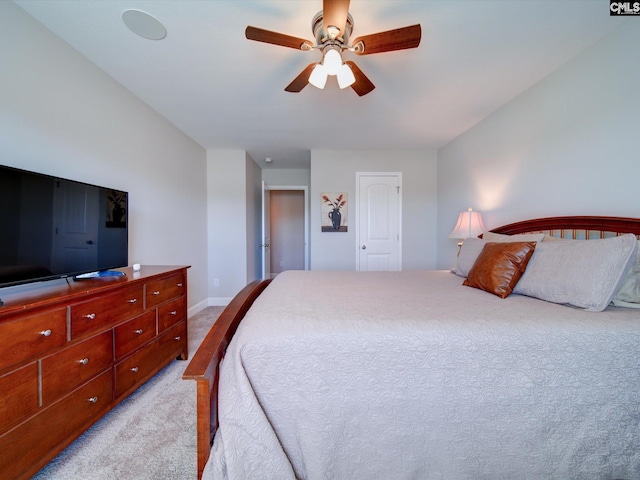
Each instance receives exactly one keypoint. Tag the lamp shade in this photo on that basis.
(469, 225)
(318, 77)
(332, 61)
(346, 78)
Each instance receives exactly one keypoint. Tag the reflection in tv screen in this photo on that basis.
(54, 227)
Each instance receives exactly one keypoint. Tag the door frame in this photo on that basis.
(357, 215)
(305, 189)
(265, 234)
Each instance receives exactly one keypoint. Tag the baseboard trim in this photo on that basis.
(208, 302)
(219, 301)
(197, 308)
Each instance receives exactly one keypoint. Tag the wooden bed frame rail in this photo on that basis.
(205, 364)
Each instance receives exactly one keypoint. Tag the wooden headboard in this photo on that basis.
(581, 228)
(204, 366)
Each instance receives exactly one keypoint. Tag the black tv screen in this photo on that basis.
(53, 227)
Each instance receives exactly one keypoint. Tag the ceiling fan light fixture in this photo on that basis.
(346, 78)
(332, 61)
(318, 77)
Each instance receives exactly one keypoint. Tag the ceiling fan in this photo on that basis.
(332, 27)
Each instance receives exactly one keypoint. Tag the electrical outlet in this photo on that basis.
(216, 282)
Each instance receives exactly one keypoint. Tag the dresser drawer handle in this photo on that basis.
(134, 369)
(156, 292)
(174, 312)
(92, 400)
(90, 316)
(45, 333)
(84, 361)
(138, 332)
(177, 338)
(133, 300)
(180, 284)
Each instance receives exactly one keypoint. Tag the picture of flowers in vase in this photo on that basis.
(334, 212)
(116, 209)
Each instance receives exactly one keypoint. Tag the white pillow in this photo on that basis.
(522, 237)
(551, 238)
(471, 248)
(629, 292)
(467, 255)
(620, 303)
(583, 273)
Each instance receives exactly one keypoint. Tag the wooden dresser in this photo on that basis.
(70, 352)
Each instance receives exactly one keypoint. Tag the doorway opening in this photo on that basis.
(288, 229)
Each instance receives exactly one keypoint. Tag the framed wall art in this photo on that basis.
(334, 212)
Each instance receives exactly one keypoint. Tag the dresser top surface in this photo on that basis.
(50, 293)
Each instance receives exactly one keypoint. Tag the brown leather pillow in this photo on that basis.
(499, 267)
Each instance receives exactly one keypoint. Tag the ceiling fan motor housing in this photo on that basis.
(323, 37)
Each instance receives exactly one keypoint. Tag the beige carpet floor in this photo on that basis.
(149, 436)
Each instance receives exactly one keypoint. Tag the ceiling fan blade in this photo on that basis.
(275, 38)
(301, 80)
(362, 85)
(398, 39)
(334, 13)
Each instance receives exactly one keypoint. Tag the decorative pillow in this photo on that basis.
(499, 266)
(467, 255)
(583, 273)
(551, 238)
(471, 248)
(629, 293)
(523, 237)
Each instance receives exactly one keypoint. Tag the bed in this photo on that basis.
(417, 375)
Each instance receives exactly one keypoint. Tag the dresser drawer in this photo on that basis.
(174, 342)
(67, 369)
(23, 400)
(171, 313)
(27, 448)
(135, 333)
(159, 291)
(135, 369)
(27, 337)
(106, 310)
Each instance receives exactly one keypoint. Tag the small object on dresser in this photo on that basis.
(136, 267)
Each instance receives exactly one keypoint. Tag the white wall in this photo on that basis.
(227, 223)
(60, 114)
(298, 177)
(335, 171)
(568, 146)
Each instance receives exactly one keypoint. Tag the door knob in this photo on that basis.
(364, 247)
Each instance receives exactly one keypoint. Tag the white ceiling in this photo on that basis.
(227, 92)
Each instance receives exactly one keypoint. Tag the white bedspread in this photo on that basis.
(410, 375)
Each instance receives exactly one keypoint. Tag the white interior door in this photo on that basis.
(266, 233)
(379, 221)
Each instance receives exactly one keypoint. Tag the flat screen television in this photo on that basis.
(53, 227)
